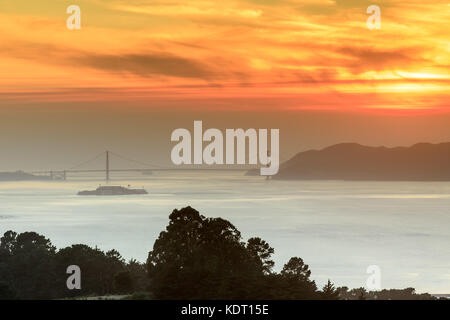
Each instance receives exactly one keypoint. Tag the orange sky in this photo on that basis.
(138, 69)
(313, 54)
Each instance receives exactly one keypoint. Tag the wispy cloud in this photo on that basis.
(146, 65)
(291, 49)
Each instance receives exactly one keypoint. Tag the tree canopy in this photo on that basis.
(195, 257)
(205, 258)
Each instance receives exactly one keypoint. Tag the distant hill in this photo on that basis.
(20, 176)
(352, 161)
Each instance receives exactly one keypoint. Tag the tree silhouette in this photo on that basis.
(296, 269)
(329, 292)
(27, 265)
(193, 258)
(123, 282)
(200, 258)
(204, 258)
(261, 253)
(295, 282)
(98, 269)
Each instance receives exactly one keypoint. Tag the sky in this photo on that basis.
(138, 69)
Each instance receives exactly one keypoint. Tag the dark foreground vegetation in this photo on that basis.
(194, 258)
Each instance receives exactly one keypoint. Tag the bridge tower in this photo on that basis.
(107, 166)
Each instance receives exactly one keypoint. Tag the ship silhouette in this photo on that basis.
(111, 191)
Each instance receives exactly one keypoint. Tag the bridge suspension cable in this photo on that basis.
(87, 161)
(147, 164)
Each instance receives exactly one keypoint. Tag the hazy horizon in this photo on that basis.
(59, 139)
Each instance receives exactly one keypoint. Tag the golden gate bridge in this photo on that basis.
(107, 170)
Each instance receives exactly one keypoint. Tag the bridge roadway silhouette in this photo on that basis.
(63, 174)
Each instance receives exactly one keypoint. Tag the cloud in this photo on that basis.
(146, 65)
(379, 59)
(249, 48)
(140, 64)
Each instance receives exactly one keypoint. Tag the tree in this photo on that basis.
(385, 294)
(295, 281)
(343, 293)
(138, 274)
(261, 253)
(123, 282)
(31, 268)
(27, 265)
(329, 292)
(98, 269)
(296, 269)
(204, 258)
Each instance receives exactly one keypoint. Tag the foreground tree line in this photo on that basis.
(194, 258)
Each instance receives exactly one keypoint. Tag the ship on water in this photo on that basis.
(111, 191)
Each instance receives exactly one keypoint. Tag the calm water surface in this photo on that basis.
(338, 227)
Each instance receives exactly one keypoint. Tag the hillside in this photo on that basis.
(352, 161)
